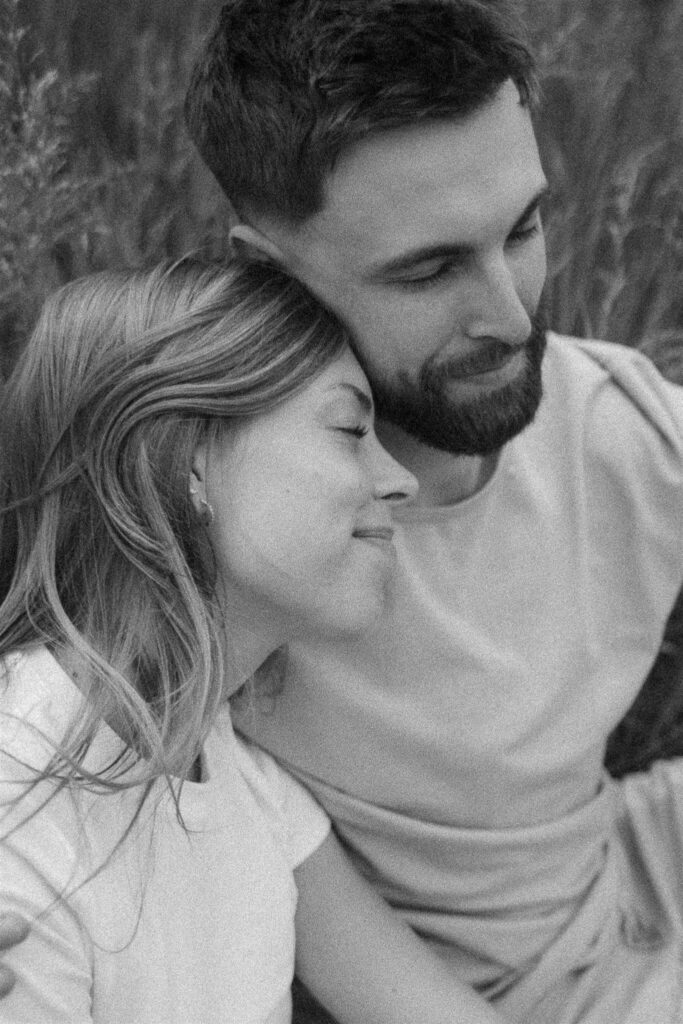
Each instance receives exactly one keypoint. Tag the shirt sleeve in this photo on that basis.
(39, 856)
(647, 403)
(54, 966)
(632, 466)
(634, 457)
(299, 820)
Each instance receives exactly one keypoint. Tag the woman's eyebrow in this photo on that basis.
(361, 396)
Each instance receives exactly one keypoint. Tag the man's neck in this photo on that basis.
(444, 479)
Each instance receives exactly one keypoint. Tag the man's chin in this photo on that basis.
(478, 417)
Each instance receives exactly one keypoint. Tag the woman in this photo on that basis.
(190, 479)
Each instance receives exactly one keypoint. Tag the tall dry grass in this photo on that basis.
(46, 195)
(611, 131)
(95, 169)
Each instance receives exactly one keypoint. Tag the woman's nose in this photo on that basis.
(393, 482)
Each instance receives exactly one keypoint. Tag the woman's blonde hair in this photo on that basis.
(102, 556)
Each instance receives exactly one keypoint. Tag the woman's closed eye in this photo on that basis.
(350, 411)
(358, 430)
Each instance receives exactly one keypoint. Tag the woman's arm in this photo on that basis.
(362, 962)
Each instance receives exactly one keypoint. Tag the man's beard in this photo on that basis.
(475, 426)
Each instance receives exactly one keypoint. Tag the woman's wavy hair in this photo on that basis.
(102, 556)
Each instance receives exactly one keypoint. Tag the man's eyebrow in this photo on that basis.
(532, 206)
(410, 259)
(363, 399)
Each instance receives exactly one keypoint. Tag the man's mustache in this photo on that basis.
(489, 357)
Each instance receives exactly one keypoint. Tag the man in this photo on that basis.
(383, 152)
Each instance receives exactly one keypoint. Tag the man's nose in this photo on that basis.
(497, 311)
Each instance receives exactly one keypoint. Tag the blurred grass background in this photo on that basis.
(95, 171)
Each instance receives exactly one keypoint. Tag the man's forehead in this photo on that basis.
(449, 184)
(390, 232)
(410, 173)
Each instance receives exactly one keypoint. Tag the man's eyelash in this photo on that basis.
(425, 282)
(520, 235)
(523, 233)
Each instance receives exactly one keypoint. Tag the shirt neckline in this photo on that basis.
(407, 514)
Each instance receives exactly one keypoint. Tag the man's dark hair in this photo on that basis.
(282, 87)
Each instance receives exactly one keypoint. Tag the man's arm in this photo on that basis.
(354, 953)
(363, 963)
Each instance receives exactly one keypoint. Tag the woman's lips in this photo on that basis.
(381, 533)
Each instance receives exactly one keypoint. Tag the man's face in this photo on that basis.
(430, 248)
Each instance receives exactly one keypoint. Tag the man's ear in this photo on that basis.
(250, 243)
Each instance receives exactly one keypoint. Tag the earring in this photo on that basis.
(206, 514)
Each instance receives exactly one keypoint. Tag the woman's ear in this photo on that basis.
(197, 484)
(250, 243)
(200, 502)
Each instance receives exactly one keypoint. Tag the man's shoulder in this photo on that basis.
(595, 360)
(612, 387)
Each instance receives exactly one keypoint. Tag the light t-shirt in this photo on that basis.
(459, 747)
(191, 926)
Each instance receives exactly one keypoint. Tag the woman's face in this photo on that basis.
(302, 511)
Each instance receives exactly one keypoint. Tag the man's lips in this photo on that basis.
(490, 359)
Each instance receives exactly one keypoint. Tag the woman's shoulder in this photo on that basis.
(38, 702)
(292, 812)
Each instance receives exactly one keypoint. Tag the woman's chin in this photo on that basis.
(357, 617)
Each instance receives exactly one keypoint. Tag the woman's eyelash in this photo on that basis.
(357, 431)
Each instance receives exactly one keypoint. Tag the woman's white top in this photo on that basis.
(176, 924)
